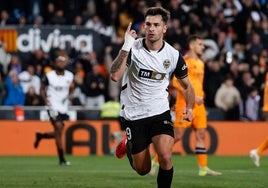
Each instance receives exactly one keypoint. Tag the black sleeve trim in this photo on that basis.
(129, 58)
(181, 70)
(123, 87)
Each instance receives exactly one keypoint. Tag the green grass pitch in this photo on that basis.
(110, 172)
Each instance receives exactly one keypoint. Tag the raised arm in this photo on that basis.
(119, 64)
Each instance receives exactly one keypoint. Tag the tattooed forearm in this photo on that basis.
(118, 61)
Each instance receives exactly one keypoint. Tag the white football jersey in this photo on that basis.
(145, 82)
(58, 90)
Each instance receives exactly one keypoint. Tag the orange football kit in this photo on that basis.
(265, 95)
(196, 75)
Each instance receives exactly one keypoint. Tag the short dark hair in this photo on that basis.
(153, 11)
(192, 38)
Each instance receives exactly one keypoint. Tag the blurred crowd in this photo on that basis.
(236, 54)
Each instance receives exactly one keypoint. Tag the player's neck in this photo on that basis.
(154, 46)
(192, 55)
(59, 72)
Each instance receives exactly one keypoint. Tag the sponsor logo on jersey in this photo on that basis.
(151, 74)
(58, 88)
(184, 67)
(166, 64)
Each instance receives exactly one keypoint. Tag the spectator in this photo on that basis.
(34, 9)
(14, 91)
(175, 33)
(4, 58)
(228, 98)
(40, 60)
(58, 18)
(29, 79)
(4, 20)
(38, 21)
(78, 20)
(89, 10)
(212, 81)
(49, 13)
(177, 12)
(244, 90)
(22, 20)
(113, 87)
(254, 47)
(79, 97)
(72, 8)
(95, 23)
(15, 64)
(252, 105)
(234, 69)
(32, 98)
(230, 10)
(264, 32)
(95, 87)
(258, 76)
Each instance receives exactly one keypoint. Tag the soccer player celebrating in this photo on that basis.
(146, 66)
(56, 91)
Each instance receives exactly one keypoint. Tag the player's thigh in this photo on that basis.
(163, 145)
(142, 161)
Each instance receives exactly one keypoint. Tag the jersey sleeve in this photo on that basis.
(181, 70)
(129, 59)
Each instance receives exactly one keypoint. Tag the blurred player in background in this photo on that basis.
(199, 122)
(56, 90)
(265, 97)
(256, 153)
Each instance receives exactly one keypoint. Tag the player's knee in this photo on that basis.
(177, 137)
(165, 161)
(58, 127)
(142, 171)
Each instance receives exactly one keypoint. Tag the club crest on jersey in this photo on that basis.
(166, 64)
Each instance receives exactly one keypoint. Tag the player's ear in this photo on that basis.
(165, 28)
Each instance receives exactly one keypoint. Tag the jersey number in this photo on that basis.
(128, 133)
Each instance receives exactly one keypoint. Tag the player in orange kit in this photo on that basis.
(265, 98)
(199, 122)
(256, 153)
